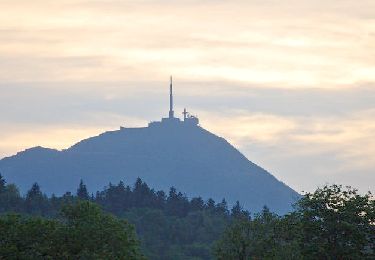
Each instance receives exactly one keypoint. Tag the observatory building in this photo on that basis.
(188, 119)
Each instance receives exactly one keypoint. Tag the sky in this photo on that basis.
(291, 83)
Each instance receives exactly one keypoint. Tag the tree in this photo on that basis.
(142, 195)
(27, 237)
(258, 238)
(10, 199)
(196, 204)
(331, 223)
(35, 201)
(238, 211)
(115, 198)
(2, 184)
(92, 234)
(210, 204)
(177, 203)
(34, 192)
(173, 229)
(222, 207)
(82, 232)
(160, 199)
(82, 192)
(337, 223)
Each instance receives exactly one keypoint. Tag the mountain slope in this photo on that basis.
(187, 157)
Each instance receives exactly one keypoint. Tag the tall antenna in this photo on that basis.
(171, 112)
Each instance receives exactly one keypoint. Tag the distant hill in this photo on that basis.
(165, 154)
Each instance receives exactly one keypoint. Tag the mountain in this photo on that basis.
(164, 154)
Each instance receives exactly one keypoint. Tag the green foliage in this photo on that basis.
(330, 223)
(82, 232)
(170, 227)
(27, 238)
(264, 237)
(239, 212)
(177, 203)
(171, 237)
(36, 203)
(337, 223)
(10, 199)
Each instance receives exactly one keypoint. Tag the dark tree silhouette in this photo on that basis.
(36, 202)
(196, 204)
(143, 196)
(238, 211)
(222, 207)
(177, 203)
(2, 184)
(210, 204)
(82, 192)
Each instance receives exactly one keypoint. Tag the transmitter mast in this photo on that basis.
(171, 112)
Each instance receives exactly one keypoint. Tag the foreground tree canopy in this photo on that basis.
(82, 232)
(331, 223)
(337, 223)
(169, 225)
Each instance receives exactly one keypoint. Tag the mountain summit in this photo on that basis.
(164, 154)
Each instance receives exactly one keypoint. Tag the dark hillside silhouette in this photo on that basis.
(186, 157)
(171, 152)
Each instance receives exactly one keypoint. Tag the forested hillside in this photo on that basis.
(170, 226)
(331, 223)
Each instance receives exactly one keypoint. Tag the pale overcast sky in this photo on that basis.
(290, 83)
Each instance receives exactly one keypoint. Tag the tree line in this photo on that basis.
(169, 225)
(116, 199)
(334, 222)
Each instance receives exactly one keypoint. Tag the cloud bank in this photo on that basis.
(291, 84)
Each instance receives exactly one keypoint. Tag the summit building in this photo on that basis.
(188, 119)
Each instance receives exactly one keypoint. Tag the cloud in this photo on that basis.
(351, 138)
(53, 137)
(322, 45)
(306, 151)
(303, 151)
(291, 83)
(247, 127)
